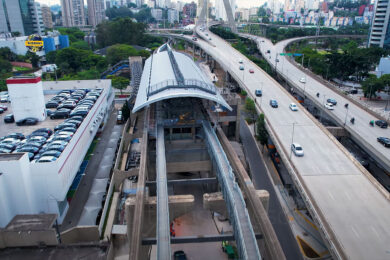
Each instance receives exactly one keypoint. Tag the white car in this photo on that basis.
(329, 106)
(241, 61)
(297, 149)
(4, 98)
(302, 80)
(293, 107)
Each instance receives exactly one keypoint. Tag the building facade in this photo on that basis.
(23, 16)
(46, 16)
(73, 13)
(156, 14)
(173, 16)
(96, 12)
(380, 31)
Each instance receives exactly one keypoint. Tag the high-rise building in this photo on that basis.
(46, 16)
(173, 16)
(189, 10)
(380, 31)
(156, 14)
(22, 16)
(96, 12)
(72, 13)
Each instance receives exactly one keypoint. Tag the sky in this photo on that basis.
(240, 3)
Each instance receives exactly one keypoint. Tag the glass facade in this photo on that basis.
(26, 7)
(386, 42)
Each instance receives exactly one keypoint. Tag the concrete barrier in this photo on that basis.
(80, 234)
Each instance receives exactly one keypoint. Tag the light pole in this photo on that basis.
(303, 57)
(304, 88)
(292, 136)
(346, 115)
(323, 103)
(261, 97)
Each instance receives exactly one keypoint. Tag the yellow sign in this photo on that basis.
(34, 43)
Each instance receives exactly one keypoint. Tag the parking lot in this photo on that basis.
(9, 128)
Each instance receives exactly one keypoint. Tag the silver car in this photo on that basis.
(297, 149)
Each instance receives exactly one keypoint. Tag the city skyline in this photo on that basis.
(240, 3)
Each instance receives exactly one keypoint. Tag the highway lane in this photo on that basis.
(356, 212)
(262, 181)
(361, 128)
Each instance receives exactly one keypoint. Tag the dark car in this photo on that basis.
(62, 113)
(5, 108)
(1, 110)
(52, 104)
(10, 147)
(5, 150)
(78, 118)
(384, 140)
(381, 123)
(82, 113)
(27, 121)
(45, 130)
(34, 144)
(273, 103)
(19, 136)
(71, 121)
(39, 134)
(179, 255)
(63, 125)
(332, 101)
(258, 93)
(49, 112)
(9, 118)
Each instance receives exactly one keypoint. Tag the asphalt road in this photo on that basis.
(313, 86)
(355, 212)
(261, 181)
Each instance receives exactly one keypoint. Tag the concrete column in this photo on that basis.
(238, 118)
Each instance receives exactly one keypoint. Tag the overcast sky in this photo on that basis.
(240, 3)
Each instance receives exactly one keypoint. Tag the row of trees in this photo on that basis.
(124, 30)
(340, 62)
(144, 15)
(372, 85)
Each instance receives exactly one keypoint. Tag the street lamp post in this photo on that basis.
(243, 74)
(292, 136)
(303, 57)
(346, 115)
(323, 103)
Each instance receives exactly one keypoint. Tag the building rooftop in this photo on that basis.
(169, 74)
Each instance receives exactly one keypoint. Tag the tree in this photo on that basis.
(116, 12)
(125, 111)
(5, 66)
(262, 134)
(120, 52)
(81, 45)
(33, 58)
(74, 34)
(371, 85)
(119, 82)
(250, 108)
(71, 60)
(7, 54)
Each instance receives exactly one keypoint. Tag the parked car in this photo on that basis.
(63, 125)
(27, 121)
(27, 149)
(31, 143)
(4, 99)
(5, 150)
(77, 123)
(45, 130)
(381, 123)
(51, 153)
(297, 149)
(119, 119)
(384, 140)
(56, 147)
(78, 118)
(179, 255)
(9, 147)
(49, 112)
(332, 101)
(39, 134)
(5, 108)
(258, 92)
(1, 111)
(52, 104)
(273, 103)
(293, 107)
(12, 141)
(19, 136)
(9, 118)
(329, 106)
(39, 139)
(83, 113)
(62, 113)
(44, 159)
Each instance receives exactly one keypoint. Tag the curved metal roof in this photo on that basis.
(169, 74)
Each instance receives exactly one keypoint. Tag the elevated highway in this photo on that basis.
(361, 132)
(348, 207)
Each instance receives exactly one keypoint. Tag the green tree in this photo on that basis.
(5, 66)
(250, 108)
(262, 134)
(371, 85)
(125, 111)
(81, 45)
(7, 54)
(116, 12)
(51, 57)
(71, 60)
(74, 34)
(120, 52)
(33, 59)
(119, 82)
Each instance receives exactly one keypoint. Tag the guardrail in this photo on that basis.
(174, 84)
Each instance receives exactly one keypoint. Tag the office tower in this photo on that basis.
(380, 31)
(72, 13)
(96, 12)
(46, 16)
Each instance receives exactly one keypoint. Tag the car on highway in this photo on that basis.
(240, 61)
(381, 123)
(273, 103)
(268, 51)
(251, 71)
(258, 92)
(27, 121)
(332, 101)
(9, 118)
(209, 38)
(384, 140)
(241, 67)
(293, 107)
(297, 149)
(329, 106)
(302, 80)
(179, 255)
